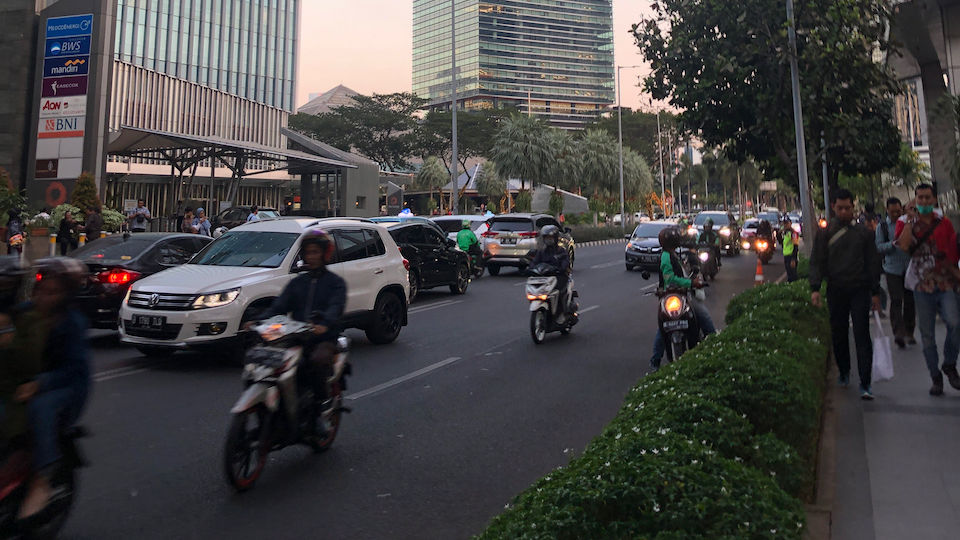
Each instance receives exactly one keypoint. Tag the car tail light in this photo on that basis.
(118, 276)
(489, 234)
(406, 265)
(528, 234)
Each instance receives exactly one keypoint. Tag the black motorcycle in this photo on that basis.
(764, 247)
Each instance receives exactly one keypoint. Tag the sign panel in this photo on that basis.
(768, 185)
(72, 25)
(65, 86)
(57, 128)
(66, 65)
(47, 168)
(64, 106)
(71, 46)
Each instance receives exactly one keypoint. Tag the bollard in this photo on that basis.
(83, 240)
(53, 245)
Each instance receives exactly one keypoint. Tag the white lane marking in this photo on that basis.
(402, 379)
(591, 308)
(648, 287)
(428, 307)
(116, 374)
(606, 265)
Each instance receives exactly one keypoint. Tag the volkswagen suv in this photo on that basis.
(206, 301)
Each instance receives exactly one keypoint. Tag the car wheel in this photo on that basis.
(629, 268)
(414, 285)
(154, 352)
(463, 280)
(493, 269)
(387, 319)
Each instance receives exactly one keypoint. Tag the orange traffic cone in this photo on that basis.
(758, 279)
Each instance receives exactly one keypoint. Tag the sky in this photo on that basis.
(366, 45)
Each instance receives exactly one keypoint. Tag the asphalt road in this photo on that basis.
(448, 423)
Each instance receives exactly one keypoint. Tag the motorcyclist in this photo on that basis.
(56, 396)
(709, 237)
(467, 240)
(672, 275)
(555, 255)
(317, 297)
(765, 230)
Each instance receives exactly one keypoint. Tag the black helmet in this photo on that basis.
(671, 238)
(550, 234)
(70, 272)
(319, 237)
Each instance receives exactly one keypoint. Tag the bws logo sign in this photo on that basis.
(55, 128)
(64, 65)
(74, 46)
(65, 86)
(68, 106)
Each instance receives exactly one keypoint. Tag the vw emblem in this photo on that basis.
(154, 300)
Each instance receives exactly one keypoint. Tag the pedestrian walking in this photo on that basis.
(895, 261)
(14, 234)
(254, 214)
(93, 225)
(844, 253)
(67, 233)
(139, 217)
(789, 238)
(932, 244)
(201, 225)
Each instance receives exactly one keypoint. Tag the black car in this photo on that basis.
(116, 261)
(643, 250)
(434, 259)
(237, 215)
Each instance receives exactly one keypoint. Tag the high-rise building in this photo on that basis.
(242, 47)
(551, 57)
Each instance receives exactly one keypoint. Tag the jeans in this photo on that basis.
(847, 304)
(902, 310)
(49, 411)
(928, 305)
(659, 348)
(703, 319)
(790, 262)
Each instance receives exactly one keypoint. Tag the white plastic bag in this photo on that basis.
(882, 353)
(911, 279)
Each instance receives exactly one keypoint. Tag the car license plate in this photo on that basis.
(508, 241)
(152, 322)
(675, 325)
(649, 258)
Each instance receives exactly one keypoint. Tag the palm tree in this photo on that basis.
(521, 149)
(601, 162)
(432, 175)
(490, 183)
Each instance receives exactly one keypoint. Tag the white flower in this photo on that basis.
(656, 507)
(618, 436)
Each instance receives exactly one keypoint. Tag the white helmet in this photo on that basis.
(218, 232)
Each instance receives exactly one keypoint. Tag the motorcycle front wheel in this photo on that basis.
(676, 349)
(321, 444)
(245, 453)
(538, 325)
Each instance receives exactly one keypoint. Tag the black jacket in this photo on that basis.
(316, 297)
(554, 256)
(846, 256)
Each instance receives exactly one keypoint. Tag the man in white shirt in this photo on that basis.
(254, 216)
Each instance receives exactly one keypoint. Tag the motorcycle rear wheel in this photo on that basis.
(538, 325)
(246, 449)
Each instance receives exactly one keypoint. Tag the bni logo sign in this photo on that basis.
(56, 128)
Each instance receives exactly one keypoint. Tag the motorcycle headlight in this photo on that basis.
(745, 245)
(217, 299)
(673, 304)
(796, 227)
(724, 231)
(692, 231)
(704, 256)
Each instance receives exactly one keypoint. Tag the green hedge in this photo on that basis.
(720, 444)
(585, 233)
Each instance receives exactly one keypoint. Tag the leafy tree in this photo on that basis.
(601, 162)
(9, 197)
(475, 132)
(637, 179)
(432, 176)
(909, 170)
(565, 169)
(521, 149)
(85, 193)
(726, 66)
(640, 134)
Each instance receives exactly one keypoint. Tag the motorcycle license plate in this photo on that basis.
(675, 325)
(152, 322)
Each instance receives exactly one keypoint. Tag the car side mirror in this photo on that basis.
(627, 236)
(300, 266)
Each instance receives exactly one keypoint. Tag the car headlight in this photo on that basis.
(724, 231)
(127, 297)
(216, 299)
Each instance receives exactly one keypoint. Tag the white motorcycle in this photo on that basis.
(275, 411)
(544, 297)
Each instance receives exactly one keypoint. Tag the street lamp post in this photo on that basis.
(455, 193)
(805, 202)
(623, 216)
(663, 178)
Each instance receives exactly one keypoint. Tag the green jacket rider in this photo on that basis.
(465, 238)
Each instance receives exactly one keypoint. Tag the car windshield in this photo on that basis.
(450, 225)
(113, 249)
(772, 217)
(268, 214)
(511, 225)
(650, 230)
(718, 219)
(247, 248)
(751, 225)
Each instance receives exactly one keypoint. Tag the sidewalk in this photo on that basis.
(898, 457)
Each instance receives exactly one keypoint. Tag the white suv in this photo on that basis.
(234, 278)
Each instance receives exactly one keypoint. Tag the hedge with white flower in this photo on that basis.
(720, 444)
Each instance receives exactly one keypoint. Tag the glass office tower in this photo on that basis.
(553, 57)
(243, 47)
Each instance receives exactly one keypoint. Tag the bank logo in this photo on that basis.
(74, 46)
(55, 49)
(66, 65)
(55, 128)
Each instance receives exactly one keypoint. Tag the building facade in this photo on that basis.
(553, 58)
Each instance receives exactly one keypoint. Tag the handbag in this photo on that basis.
(882, 353)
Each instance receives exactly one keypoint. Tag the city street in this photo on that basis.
(448, 423)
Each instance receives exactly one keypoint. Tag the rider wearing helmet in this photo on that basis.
(466, 240)
(316, 296)
(56, 395)
(552, 253)
(709, 237)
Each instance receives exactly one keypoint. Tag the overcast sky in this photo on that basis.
(366, 45)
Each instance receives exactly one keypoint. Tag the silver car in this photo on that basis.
(512, 239)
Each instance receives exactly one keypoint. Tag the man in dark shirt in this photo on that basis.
(845, 255)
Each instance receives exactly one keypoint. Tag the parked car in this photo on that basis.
(451, 225)
(205, 302)
(434, 259)
(512, 238)
(725, 225)
(237, 215)
(117, 261)
(386, 220)
(643, 249)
